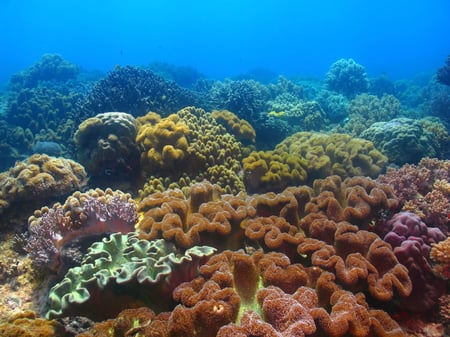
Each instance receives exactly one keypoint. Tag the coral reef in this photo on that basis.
(122, 272)
(107, 147)
(320, 155)
(270, 296)
(37, 181)
(239, 128)
(301, 115)
(402, 140)
(365, 109)
(26, 324)
(190, 144)
(411, 240)
(443, 73)
(440, 258)
(136, 91)
(347, 77)
(423, 189)
(42, 108)
(84, 215)
(51, 67)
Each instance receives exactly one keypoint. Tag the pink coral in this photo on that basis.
(53, 228)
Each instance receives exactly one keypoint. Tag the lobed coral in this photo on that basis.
(124, 272)
(411, 240)
(266, 294)
(240, 128)
(306, 156)
(190, 144)
(365, 109)
(106, 146)
(39, 176)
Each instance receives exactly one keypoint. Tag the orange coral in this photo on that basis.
(315, 303)
(163, 144)
(440, 256)
(189, 221)
(27, 324)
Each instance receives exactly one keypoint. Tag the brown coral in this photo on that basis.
(268, 310)
(240, 128)
(188, 221)
(37, 181)
(27, 324)
(106, 146)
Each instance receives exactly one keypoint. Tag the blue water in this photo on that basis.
(224, 38)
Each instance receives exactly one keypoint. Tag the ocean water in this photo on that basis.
(225, 38)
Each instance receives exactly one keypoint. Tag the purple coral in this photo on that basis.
(56, 228)
(411, 239)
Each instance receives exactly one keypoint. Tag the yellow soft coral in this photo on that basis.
(240, 128)
(163, 143)
(309, 156)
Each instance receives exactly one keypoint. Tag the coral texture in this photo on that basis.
(190, 144)
(124, 272)
(423, 189)
(136, 91)
(240, 128)
(38, 180)
(347, 77)
(26, 324)
(106, 145)
(440, 257)
(93, 213)
(320, 155)
(365, 109)
(412, 240)
(402, 140)
(269, 296)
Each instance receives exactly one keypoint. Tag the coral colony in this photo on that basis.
(193, 207)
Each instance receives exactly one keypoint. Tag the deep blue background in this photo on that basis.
(225, 37)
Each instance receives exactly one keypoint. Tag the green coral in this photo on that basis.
(121, 272)
(402, 140)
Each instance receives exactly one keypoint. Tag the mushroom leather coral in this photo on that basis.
(237, 288)
(295, 222)
(124, 272)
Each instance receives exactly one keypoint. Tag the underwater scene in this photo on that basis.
(295, 193)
